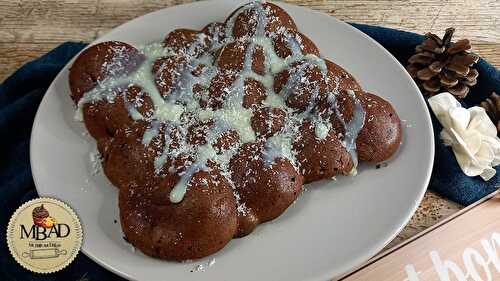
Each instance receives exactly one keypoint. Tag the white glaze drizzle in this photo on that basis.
(232, 116)
(353, 127)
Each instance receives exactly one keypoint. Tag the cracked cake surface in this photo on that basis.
(209, 133)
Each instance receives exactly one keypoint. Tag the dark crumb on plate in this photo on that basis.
(115, 221)
(381, 165)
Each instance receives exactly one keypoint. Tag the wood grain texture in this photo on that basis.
(31, 28)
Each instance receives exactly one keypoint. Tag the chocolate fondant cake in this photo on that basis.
(210, 133)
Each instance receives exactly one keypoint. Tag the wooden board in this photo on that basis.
(32, 27)
(452, 249)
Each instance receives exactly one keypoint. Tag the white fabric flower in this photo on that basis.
(470, 133)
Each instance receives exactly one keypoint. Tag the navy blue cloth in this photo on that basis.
(20, 96)
(21, 93)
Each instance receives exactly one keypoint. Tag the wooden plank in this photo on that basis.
(29, 28)
(47, 21)
(444, 250)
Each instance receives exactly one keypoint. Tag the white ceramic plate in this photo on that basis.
(333, 226)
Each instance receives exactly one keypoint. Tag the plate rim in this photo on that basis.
(329, 274)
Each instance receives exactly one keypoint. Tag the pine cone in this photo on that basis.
(492, 107)
(441, 65)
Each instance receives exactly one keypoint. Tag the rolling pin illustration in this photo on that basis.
(44, 253)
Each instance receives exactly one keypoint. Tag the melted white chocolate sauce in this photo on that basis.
(232, 116)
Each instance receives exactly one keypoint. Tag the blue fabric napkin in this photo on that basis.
(21, 93)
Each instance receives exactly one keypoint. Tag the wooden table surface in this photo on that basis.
(31, 28)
